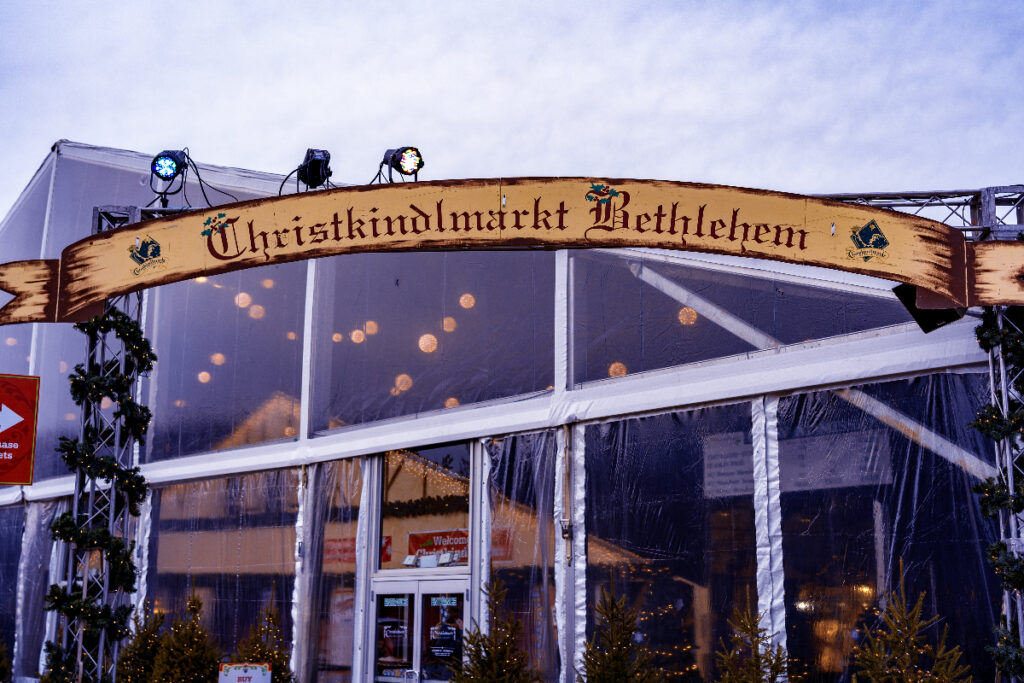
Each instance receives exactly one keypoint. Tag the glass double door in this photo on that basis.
(418, 626)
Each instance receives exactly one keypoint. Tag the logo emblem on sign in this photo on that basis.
(870, 242)
(146, 253)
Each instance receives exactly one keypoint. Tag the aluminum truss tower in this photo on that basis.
(94, 504)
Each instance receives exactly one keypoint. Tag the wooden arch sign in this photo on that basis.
(513, 213)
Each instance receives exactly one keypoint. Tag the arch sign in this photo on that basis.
(514, 213)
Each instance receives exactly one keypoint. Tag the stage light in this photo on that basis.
(315, 169)
(169, 164)
(405, 160)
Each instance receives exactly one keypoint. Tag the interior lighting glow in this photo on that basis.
(451, 402)
(467, 301)
(358, 336)
(449, 324)
(218, 359)
(11, 341)
(242, 300)
(291, 336)
(203, 377)
(290, 431)
(687, 316)
(201, 279)
(336, 337)
(70, 416)
(63, 367)
(428, 343)
(257, 312)
(371, 327)
(803, 606)
(395, 391)
(617, 369)
(180, 403)
(268, 283)
(403, 382)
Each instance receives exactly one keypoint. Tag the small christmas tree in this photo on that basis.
(614, 655)
(135, 662)
(750, 656)
(899, 651)
(187, 653)
(266, 645)
(495, 657)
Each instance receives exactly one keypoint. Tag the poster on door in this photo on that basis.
(442, 634)
(393, 633)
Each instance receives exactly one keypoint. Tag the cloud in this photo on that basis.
(802, 97)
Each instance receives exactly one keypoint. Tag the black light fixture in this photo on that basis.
(406, 160)
(315, 169)
(169, 164)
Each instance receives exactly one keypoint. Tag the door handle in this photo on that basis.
(412, 676)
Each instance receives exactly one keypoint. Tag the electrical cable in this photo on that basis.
(203, 184)
(281, 189)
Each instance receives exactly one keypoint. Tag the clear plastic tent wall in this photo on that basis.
(230, 542)
(694, 433)
(522, 495)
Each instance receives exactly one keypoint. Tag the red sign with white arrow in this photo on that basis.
(19, 400)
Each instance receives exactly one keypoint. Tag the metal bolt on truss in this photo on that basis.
(95, 504)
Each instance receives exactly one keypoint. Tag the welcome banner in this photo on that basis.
(515, 213)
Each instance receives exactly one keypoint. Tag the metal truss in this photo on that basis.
(95, 504)
(988, 213)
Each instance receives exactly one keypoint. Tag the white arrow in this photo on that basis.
(8, 418)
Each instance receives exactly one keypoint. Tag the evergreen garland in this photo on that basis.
(90, 384)
(495, 656)
(266, 645)
(187, 653)
(996, 494)
(136, 659)
(61, 666)
(613, 655)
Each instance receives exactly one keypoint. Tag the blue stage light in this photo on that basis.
(168, 164)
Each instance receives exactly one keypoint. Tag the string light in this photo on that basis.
(290, 336)
(242, 299)
(467, 301)
(268, 283)
(336, 337)
(201, 279)
(203, 377)
(371, 327)
(448, 324)
(428, 343)
(358, 336)
(687, 316)
(218, 358)
(451, 402)
(617, 369)
(257, 312)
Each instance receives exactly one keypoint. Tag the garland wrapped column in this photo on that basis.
(1001, 335)
(99, 575)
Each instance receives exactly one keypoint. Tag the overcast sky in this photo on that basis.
(802, 97)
